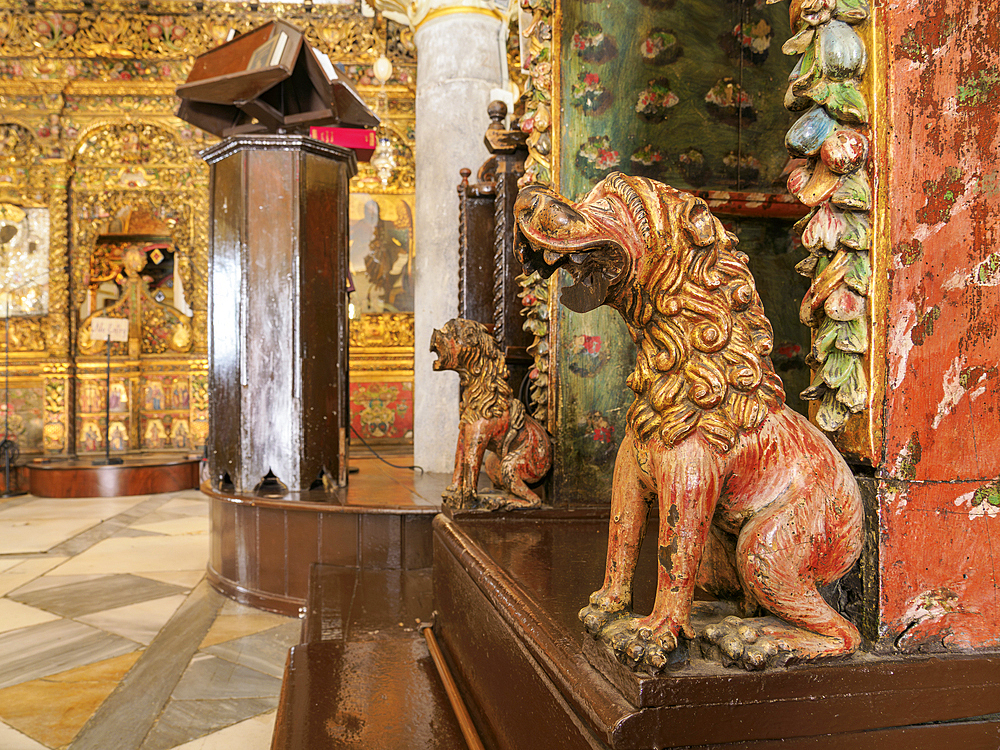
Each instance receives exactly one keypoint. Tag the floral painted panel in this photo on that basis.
(688, 93)
(382, 411)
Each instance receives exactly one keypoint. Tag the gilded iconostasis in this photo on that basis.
(104, 213)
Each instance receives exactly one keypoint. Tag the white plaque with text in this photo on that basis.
(101, 329)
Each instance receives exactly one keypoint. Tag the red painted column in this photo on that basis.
(937, 399)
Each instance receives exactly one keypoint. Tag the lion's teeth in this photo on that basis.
(551, 257)
(578, 258)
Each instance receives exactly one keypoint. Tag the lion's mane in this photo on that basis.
(702, 338)
(483, 375)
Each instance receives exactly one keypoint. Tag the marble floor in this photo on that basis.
(110, 637)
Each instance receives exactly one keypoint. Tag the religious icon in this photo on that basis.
(118, 437)
(155, 435)
(179, 434)
(90, 397)
(381, 257)
(90, 438)
(154, 398)
(118, 397)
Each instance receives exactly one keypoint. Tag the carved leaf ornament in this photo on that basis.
(537, 123)
(833, 181)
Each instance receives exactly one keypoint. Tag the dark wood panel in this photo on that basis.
(475, 272)
(514, 704)
(247, 550)
(323, 350)
(271, 440)
(339, 538)
(272, 551)
(278, 309)
(488, 590)
(225, 282)
(262, 549)
(78, 479)
(302, 549)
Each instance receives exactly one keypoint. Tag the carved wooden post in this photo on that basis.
(831, 137)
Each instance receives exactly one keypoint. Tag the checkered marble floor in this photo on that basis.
(111, 638)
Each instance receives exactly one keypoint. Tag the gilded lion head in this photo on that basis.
(468, 348)
(659, 257)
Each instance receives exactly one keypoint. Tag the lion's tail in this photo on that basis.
(514, 426)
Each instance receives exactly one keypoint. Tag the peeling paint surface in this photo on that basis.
(940, 509)
(938, 582)
(944, 306)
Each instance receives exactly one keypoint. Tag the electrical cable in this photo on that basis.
(375, 453)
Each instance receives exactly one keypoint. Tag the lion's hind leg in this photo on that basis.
(775, 557)
(506, 476)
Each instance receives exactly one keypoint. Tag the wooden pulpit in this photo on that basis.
(278, 390)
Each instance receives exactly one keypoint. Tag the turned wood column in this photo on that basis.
(278, 311)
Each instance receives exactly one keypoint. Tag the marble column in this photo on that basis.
(458, 63)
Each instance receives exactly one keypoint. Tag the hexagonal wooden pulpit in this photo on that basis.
(278, 313)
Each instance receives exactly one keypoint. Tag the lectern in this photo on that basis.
(278, 411)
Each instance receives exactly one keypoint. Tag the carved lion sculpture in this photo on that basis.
(755, 503)
(491, 420)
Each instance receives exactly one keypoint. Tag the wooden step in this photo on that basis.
(362, 677)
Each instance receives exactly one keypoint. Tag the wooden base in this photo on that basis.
(262, 548)
(507, 591)
(138, 475)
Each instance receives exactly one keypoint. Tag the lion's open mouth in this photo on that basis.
(437, 347)
(553, 234)
(594, 269)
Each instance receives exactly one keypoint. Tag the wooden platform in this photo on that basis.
(138, 475)
(261, 549)
(507, 591)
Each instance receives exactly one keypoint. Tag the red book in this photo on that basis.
(361, 140)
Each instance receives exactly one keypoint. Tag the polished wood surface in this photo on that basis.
(139, 475)
(469, 731)
(278, 311)
(507, 592)
(261, 548)
(362, 677)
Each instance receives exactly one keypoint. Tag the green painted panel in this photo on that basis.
(652, 88)
(689, 93)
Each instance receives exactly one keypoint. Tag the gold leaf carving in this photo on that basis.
(385, 329)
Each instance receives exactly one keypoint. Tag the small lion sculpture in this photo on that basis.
(755, 503)
(519, 450)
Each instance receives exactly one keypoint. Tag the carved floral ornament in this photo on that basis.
(831, 137)
(537, 123)
(186, 32)
(63, 71)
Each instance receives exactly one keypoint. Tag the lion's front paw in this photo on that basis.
(735, 642)
(606, 605)
(595, 618)
(460, 498)
(642, 648)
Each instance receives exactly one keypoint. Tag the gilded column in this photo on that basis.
(458, 62)
(56, 323)
(58, 430)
